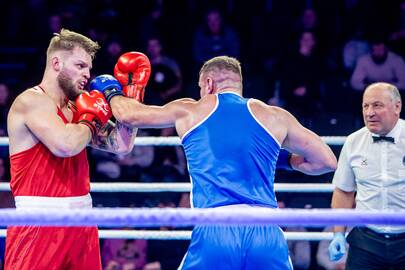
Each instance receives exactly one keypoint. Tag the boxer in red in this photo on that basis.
(49, 127)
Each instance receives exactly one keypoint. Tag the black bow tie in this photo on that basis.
(383, 138)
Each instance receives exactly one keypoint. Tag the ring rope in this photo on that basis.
(186, 187)
(174, 141)
(133, 217)
(186, 235)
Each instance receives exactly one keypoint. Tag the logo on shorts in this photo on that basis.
(363, 162)
(102, 106)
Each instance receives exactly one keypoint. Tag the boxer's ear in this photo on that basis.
(210, 85)
(56, 63)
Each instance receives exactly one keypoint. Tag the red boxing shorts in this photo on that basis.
(52, 248)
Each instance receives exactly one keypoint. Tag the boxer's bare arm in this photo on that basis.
(33, 117)
(314, 156)
(116, 138)
(175, 113)
(311, 154)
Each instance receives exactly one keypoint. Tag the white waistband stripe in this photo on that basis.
(25, 202)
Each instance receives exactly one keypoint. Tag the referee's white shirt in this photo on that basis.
(376, 170)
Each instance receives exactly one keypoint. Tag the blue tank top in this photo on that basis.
(231, 157)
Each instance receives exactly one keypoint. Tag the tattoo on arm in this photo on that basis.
(113, 136)
(121, 133)
(101, 140)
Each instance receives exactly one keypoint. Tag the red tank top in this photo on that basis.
(38, 172)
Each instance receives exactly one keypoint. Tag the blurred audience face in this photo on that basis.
(154, 48)
(4, 94)
(307, 43)
(379, 53)
(380, 110)
(214, 22)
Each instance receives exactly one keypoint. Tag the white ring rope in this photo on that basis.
(3, 141)
(186, 187)
(174, 141)
(186, 235)
(155, 217)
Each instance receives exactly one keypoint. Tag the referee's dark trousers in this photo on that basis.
(370, 250)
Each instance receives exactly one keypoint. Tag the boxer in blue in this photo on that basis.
(232, 145)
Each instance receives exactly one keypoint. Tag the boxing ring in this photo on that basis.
(185, 217)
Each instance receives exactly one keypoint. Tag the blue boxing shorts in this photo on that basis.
(241, 247)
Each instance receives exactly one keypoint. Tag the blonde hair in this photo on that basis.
(67, 40)
(222, 63)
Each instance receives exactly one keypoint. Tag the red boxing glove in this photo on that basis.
(93, 110)
(132, 71)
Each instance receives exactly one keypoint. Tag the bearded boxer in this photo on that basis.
(232, 145)
(48, 134)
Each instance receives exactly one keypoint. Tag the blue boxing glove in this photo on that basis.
(337, 248)
(283, 161)
(108, 85)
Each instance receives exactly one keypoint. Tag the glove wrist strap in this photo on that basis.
(109, 93)
(91, 121)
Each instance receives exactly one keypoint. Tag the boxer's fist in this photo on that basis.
(108, 85)
(132, 71)
(93, 110)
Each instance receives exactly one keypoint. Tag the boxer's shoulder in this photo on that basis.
(32, 98)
